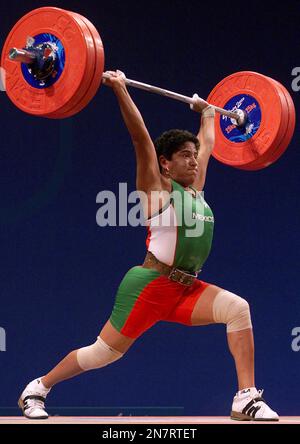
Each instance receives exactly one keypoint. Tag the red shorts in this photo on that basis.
(145, 297)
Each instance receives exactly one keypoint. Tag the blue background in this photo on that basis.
(60, 271)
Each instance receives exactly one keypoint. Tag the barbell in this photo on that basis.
(53, 60)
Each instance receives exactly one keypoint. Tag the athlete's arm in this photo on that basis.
(206, 138)
(148, 174)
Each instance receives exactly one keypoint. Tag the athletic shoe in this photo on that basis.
(248, 405)
(32, 400)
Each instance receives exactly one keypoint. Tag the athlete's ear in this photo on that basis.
(163, 162)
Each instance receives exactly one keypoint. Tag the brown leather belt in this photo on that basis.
(174, 274)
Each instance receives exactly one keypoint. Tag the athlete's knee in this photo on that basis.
(97, 355)
(231, 310)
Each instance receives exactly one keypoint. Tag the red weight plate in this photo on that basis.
(267, 159)
(97, 78)
(100, 58)
(289, 129)
(73, 106)
(241, 89)
(49, 100)
(291, 123)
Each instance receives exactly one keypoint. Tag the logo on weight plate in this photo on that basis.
(229, 128)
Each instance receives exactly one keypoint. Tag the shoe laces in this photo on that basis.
(35, 403)
(258, 397)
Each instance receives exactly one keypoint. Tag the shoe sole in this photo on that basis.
(21, 406)
(236, 416)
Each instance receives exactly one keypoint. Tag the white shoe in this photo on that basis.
(32, 400)
(248, 405)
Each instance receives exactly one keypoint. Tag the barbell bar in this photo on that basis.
(239, 117)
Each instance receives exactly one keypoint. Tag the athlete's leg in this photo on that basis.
(69, 366)
(113, 341)
(109, 347)
(133, 314)
(240, 342)
(219, 306)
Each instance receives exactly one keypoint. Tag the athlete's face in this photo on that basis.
(183, 166)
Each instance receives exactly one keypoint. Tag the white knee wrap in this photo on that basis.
(97, 355)
(232, 310)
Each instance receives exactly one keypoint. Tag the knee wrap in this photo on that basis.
(97, 355)
(231, 310)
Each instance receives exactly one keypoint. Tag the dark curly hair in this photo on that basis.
(171, 141)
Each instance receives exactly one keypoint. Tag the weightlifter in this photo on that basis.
(165, 287)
